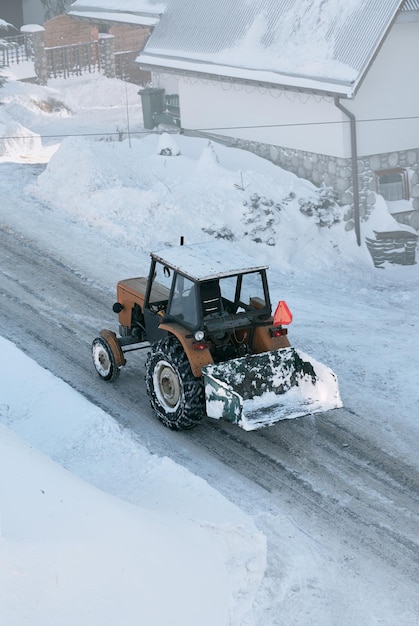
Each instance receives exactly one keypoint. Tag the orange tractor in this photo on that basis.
(215, 347)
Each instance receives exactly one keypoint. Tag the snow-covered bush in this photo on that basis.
(323, 207)
(260, 202)
(221, 233)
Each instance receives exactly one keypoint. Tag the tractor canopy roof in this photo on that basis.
(205, 261)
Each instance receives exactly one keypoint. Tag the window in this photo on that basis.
(252, 287)
(240, 291)
(393, 184)
(183, 304)
(161, 284)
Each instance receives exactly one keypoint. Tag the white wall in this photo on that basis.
(390, 90)
(278, 117)
(168, 82)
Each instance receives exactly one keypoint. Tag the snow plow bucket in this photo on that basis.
(261, 389)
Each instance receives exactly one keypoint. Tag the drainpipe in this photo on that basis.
(354, 159)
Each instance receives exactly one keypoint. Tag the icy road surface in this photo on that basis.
(321, 478)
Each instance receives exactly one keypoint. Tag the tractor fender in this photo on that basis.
(263, 342)
(197, 358)
(113, 343)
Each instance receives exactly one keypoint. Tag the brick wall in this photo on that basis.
(64, 30)
(129, 37)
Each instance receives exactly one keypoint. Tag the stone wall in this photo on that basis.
(337, 173)
(320, 169)
(107, 53)
(407, 159)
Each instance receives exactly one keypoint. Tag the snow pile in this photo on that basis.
(150, 544)
(16, 139)
(44, 109)
(168, 183)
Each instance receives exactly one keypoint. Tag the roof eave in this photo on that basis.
(118, 17)
(264, 78)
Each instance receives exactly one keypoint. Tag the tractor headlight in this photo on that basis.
(199, 335)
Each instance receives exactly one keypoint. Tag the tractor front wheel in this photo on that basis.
(175, 394)
(104, 360)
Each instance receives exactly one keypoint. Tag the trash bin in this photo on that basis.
(152, 101)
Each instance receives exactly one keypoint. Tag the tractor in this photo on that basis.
(216, 347)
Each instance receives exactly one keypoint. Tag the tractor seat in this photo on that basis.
(211, 298)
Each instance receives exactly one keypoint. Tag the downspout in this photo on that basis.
(354, 160)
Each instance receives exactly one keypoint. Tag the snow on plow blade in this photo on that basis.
(261, 389)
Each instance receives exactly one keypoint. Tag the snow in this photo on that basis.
(167, 533)
(5, 25)
(203, 261)
(263, 405)
(126, 11)
(307, 51)
(31, 28)
(159, 59)
(135, 6)
(125, 18)
(95, 530)
(321, 45)
(298, 44)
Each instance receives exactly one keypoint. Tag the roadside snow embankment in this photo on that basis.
(142, 551)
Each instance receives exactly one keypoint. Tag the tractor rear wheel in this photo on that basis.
(104, 360)
(175, 394)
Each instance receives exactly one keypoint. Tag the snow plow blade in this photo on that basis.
(261, 389)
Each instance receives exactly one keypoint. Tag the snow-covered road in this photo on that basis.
(336, 495)
(348, 495)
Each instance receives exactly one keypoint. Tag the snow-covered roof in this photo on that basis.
(410, 5)
(128, 6)
(123, 18)
(139, 12)
(6, 25)
(203, 261)
(324, 45)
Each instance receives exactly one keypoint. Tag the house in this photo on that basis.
(87, 37)
(128, 21)
(327, 89)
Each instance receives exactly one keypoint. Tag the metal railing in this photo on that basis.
(73, 60)
(14, 50)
